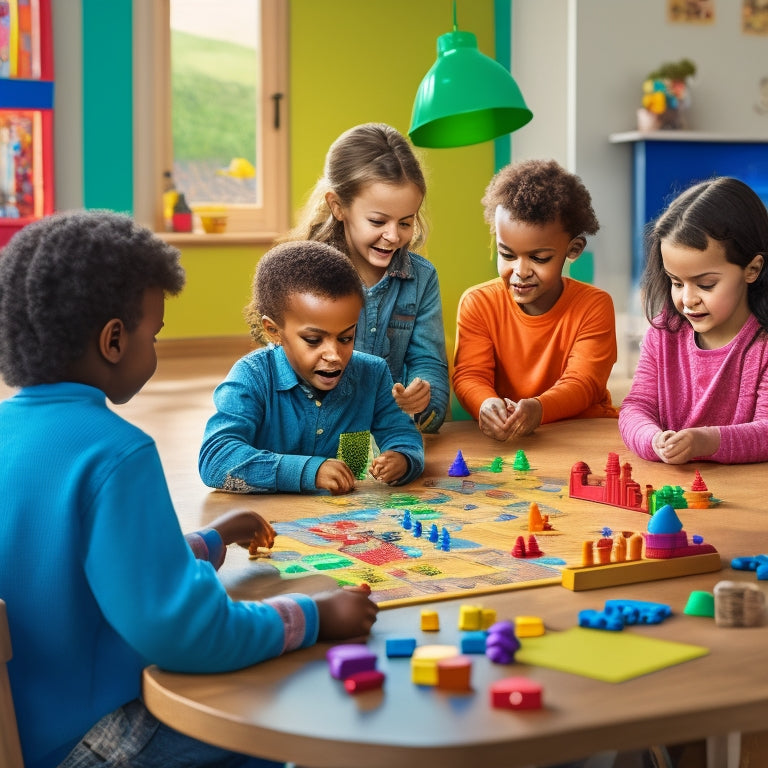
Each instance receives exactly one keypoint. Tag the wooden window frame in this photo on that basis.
(153, 143)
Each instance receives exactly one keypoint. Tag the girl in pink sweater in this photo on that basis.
(700, 390)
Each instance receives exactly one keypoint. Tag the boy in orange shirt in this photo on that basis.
(532, 346)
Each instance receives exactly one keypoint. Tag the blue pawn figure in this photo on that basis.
(407, 520)
(433, 535)
(417, 529)
(445, 540)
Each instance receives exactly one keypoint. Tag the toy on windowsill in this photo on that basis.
(619, 489)
(667, 553)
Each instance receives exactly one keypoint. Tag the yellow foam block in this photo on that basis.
(488, 618)
(529, 626)
(430, 621)
(470, 618)
(424, 662)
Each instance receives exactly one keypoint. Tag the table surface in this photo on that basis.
(291, 709)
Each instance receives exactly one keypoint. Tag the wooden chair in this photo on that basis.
(10, 747)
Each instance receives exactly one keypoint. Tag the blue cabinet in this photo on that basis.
(667, 162)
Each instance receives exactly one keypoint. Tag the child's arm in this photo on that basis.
(345, 613)
(244, 527)
(394, 431)
(414, 398)
(474, 357)
(494, 418)
(426, 361)
(686, 445)
(389, 467)
(335, 476)
(640, 415)
(228, 457)
(590, 328)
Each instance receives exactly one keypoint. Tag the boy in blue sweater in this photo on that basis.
(286, 413)
(96, 574)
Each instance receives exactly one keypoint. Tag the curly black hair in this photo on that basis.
(539, 192)
(300, 266)
(62, 278)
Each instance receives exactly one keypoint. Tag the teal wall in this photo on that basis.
(107, 104)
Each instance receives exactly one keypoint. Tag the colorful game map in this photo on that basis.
(449, 536)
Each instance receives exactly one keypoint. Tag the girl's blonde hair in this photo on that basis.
(363, 155)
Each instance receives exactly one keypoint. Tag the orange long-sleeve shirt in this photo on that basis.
(563, 357)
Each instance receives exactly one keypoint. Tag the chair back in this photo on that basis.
(10, 746)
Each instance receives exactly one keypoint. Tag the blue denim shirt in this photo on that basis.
(269, 433)
(402, 321)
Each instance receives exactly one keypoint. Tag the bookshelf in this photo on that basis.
(26, 114)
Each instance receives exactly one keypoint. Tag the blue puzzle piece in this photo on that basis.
(749, 563)
(638, 611)
(600, 620)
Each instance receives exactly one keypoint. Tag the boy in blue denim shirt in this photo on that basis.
(285, 413)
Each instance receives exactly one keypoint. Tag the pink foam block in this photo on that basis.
(367, 680)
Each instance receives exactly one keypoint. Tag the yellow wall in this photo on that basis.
(359, 61)
(218, 288)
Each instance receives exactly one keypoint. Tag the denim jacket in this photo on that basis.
(269, 433)
(402, 321)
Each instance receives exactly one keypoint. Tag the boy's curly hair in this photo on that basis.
(300, 266)
(62, 278)
(539, 192)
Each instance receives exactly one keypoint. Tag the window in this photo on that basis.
(217, 76)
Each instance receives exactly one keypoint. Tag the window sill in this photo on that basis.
(201, 238)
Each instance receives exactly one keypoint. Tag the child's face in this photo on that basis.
(139, 358)
(709, 291)
(378, 222)
(318, 335)
(530, 260)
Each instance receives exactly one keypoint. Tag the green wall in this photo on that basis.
(355, 62)
(363, 61)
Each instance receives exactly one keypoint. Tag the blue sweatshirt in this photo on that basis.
(97, 576)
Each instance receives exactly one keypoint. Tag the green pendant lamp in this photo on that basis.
(466, 97)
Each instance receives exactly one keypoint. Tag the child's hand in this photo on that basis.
(684, 446)
(389, 466)
(246, 528)
(525, 416)
(494, 418)
(335, 476)
(345, 613)
(414, 398)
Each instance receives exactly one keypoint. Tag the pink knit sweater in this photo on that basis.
(677, 385)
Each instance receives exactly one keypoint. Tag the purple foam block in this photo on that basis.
(346, 660)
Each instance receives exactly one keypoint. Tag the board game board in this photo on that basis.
(477, 521)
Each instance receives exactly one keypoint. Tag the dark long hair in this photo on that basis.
(722, 209)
